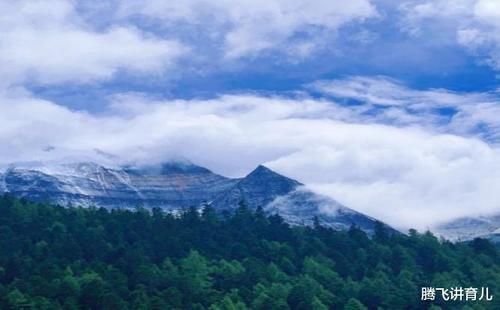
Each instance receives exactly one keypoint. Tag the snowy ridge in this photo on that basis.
(299, 206)
(174, 186)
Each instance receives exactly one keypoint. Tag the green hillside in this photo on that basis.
(72, 258)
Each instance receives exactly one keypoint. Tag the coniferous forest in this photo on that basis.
(73, 258)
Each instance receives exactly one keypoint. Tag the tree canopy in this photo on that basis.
(74, 258)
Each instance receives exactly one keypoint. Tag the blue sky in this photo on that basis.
(390, 107)
(372, 41)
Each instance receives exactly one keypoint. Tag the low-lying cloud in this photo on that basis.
(409, 175)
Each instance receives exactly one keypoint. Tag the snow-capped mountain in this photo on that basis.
(291, 199)
(169, 186)
(174, 186)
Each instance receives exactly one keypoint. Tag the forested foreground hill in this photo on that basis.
(73, 258)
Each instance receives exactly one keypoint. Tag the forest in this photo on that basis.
(53, 257)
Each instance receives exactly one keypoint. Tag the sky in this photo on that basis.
(390, 107)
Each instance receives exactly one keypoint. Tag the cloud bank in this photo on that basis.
(408, 174)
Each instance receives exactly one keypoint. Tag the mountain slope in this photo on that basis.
(469, 228)
(300, 206)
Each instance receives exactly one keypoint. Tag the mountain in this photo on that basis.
(289, 198)
(468, 228)
(170, 186)
(174, 186)
(259, 188)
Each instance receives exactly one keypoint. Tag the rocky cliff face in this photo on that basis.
(174, 186)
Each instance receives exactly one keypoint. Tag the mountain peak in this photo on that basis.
(263, 173)
(262, 169)
(258, 188)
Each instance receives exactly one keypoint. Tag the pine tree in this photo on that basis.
(354, 304)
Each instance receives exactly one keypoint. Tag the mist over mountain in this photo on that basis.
(468, 228)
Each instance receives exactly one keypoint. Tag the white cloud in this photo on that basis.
(389, 101)
(488, 11)
(49, 42)
(418, 14)
(249, 27)
(407, 176)
(475, 24)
